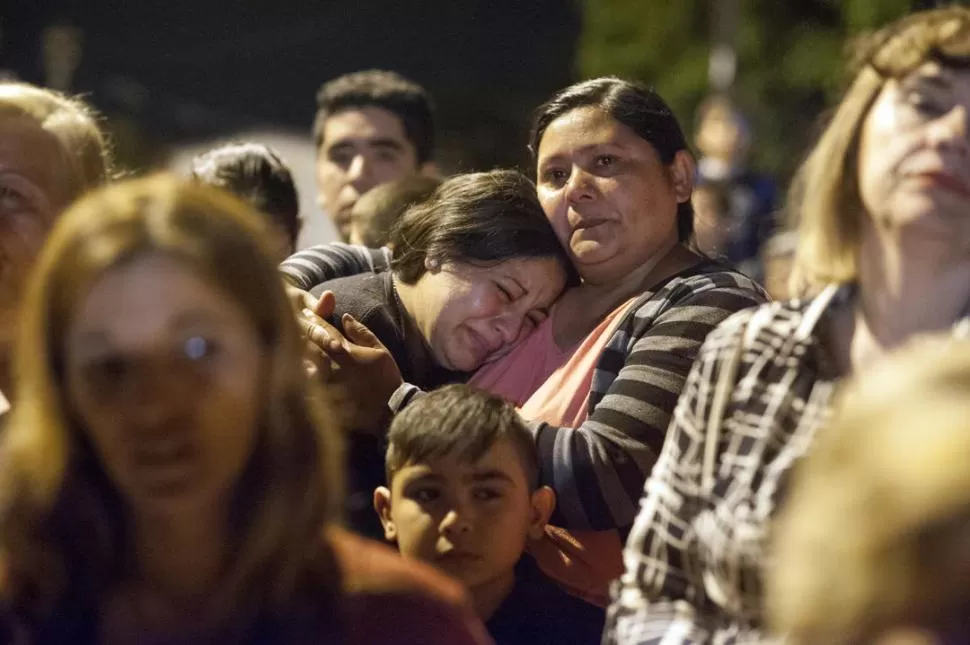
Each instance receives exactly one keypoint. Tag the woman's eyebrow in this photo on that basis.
(935, 82)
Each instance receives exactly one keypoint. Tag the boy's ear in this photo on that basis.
(382, 504)
(543, 503)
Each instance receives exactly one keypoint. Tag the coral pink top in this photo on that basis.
(518, 374)
(552, 386)
(563, 399)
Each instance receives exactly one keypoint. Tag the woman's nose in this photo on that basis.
(579, 186)
(508, 326)
(951, 128)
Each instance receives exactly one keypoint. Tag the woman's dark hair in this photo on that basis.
(635, 106)
(480, 218)
(256, 174)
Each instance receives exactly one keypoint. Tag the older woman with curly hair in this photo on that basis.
(883, 255)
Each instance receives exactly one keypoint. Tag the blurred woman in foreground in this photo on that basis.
(872, 545)
(168, 475)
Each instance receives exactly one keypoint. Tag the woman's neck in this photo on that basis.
(907, 286)
(409, 298)
(180, 559)
(581, 308)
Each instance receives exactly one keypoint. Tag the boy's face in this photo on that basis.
(471, 520)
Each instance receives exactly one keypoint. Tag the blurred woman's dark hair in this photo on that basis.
(478, 218)
(635, 106)
(257, 174)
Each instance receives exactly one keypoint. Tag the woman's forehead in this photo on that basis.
(29, 150)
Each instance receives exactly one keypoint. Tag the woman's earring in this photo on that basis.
(432, 264)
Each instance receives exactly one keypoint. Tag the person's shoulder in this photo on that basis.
(708, 286)
(392, 600)
(764, 325)
(371, 567)
(364, 297)
(353, 285)
(712, 274)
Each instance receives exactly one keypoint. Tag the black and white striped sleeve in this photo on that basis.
(317, 264)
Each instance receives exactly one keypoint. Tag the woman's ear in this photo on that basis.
(432, 265)
(543, 503)
(683, 170)
(382, 504)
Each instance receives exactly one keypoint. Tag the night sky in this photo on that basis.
(189, 69)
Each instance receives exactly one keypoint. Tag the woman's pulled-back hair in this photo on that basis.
(478, 218)
(63, 525)
(635, 106)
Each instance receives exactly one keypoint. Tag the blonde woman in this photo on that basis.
(884, 249)
(168, 475)
(51, 151)
(871, 547)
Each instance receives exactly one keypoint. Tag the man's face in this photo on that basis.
(361, 148)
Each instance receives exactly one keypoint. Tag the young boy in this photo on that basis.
(463, 495)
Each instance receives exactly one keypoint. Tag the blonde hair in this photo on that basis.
(879, 513)
(84, 149)
(824, 198)
(62, 522)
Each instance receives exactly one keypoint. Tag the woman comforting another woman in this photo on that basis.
(601, 375)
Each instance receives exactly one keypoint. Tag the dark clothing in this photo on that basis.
(539, 611)
(371, 299)
(386, 601)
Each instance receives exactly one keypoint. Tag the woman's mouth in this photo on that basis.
(164, 465)
(944, 181)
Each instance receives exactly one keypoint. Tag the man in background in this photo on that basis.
(372, 127)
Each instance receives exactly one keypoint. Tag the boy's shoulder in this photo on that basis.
(538, 611)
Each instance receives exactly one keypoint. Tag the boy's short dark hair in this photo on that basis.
(378, 210)
(256, 174)
(458, 419)
(405, 99)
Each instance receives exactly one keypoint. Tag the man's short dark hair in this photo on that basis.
(458, 419)
(405, 99)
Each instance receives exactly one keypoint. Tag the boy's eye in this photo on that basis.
(425, 495)
(487, 494)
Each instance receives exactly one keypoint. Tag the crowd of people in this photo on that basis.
(499, 410)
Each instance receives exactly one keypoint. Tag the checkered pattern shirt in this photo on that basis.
(694, 557)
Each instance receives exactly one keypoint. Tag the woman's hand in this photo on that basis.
(358, 372)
